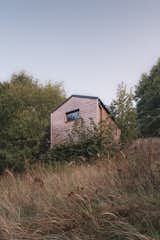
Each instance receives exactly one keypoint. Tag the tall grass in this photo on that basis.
(115, 198)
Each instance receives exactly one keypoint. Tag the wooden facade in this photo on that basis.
(86, 107)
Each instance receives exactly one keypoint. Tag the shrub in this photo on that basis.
(84, 142)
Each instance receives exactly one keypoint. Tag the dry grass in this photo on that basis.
(111, 199)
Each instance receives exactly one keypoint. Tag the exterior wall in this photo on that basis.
(60, 127)
(104, 116)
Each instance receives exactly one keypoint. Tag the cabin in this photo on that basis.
(75, 107)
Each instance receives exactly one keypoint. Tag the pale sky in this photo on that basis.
(90, 45)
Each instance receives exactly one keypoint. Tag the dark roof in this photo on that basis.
(84, 96)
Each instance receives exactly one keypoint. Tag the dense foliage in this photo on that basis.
(148, 102)
(124, 113)
(84, 142)
(25, 107)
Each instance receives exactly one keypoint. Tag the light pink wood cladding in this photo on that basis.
(60, 128)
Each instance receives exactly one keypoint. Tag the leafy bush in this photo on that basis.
(84, 142)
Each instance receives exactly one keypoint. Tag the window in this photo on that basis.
(72, 115)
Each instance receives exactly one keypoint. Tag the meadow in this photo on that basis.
(111, 198)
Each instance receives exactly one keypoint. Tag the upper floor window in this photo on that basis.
(72, 115)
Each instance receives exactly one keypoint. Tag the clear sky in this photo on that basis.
(90, 45)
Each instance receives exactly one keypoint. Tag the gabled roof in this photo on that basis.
(84, 96)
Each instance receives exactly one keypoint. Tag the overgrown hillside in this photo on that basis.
(110, 199)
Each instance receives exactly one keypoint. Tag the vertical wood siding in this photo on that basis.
(60, 128)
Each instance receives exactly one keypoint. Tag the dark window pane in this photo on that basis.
(73, 115)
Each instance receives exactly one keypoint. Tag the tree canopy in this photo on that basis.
(148, 102)
(124, 112)
(25, 107)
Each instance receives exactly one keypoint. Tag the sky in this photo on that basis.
(89, 45)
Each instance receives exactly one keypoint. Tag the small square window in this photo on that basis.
(72, 115)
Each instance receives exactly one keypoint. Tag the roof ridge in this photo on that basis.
(86, 96)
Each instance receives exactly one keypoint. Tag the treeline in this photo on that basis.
(25, 107)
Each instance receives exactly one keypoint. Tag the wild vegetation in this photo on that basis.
(148, 102)
(113, 191)
(124, 111)
(25, 107)
(113, 198)
(84, 143)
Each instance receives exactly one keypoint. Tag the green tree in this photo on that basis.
(148, 102)
(124, 113)
(25, 107)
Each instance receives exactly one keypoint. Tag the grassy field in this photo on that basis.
(110, 199)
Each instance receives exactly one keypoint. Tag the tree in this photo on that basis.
(148, 102)
(25, 107)
(124, 113)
